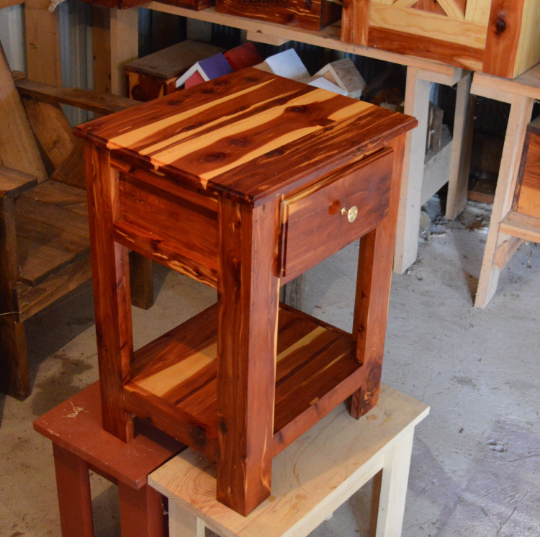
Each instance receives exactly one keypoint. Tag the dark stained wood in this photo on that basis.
(244, 160)
(373, 294)
(110, 268)
(247, 328)
(311, 16)
(313, 225)
(141, 275)
(191, 4)
(425, 47)
(504, 31)
(101, 103)
(14, 376)
(13, 183)
(143, 512)
(71, 170)
(74, 496)
(355, 21)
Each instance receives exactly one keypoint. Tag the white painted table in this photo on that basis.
(502, 241)
(311, 478)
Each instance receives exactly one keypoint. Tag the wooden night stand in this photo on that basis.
(242, 183)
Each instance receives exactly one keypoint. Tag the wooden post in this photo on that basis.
(110, 269)
(124, 27)
(184, 524)
(42, 42)
(74, 498)
(417, 105)
(460, 163)
(373, 294)
(142, 512)
(247, 336)
(395, 478)
(520, 116)
(14, 375)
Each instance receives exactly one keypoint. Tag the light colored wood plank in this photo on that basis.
(124, 45)
(458, 183)
(394, 486)
(329, 37)
(18, 148)
(428, 24)
(520, 116)
(506, 250)
(416, 104)
(259, 37)
(478, 11)
(311, 478)
(436, 171)
(182, 523)
(521, 226)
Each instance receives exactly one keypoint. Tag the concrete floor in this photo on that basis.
(476, 461)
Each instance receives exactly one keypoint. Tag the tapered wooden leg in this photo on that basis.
(142, 513)
(395, 479)
(74, 498)
(14, 376)
(417, 105)
(110, 269)
(247, 333)
(184, 524)
(520, 116)
(141, 274)
(460, 164)
(373, 294)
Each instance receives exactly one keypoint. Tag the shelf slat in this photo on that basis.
(174, 378)
(521, 226)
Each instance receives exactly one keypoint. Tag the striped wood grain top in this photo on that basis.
(249, 134)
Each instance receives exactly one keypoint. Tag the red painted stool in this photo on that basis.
(81, 444)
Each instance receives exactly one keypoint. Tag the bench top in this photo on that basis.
(251, 134)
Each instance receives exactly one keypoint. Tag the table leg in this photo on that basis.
(74, 498)
(460, 164)
(112, 301)
(373, 294)
(247, 333)
(417, 105)
(184, 524)
(395, 479)
(142, 512)
(520, 116)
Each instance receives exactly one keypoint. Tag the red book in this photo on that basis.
(245, 55)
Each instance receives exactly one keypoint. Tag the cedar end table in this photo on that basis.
(242, 183)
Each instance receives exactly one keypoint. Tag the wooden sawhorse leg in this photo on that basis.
(500, 247)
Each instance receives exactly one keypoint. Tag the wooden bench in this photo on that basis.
(313, 477)
(507, 230)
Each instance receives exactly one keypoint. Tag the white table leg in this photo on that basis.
(410, 205)
(520, 116)
(460, 163)
(124, 45)
(395, 478)
(182, 523)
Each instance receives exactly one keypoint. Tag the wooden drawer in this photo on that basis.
(320, 220)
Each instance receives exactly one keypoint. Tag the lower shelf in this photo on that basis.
(174, 378)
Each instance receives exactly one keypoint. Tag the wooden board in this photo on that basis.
(311, 16)
(180, 370)
(312, 477)
(13, 183)
(76, 425)
(527, 195)
(521, 226)
(246, 122)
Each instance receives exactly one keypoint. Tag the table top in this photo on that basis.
(76, 425)
(333, 459)
(250, 135)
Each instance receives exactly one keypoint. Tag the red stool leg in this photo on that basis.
(74, 498)
(142, 513)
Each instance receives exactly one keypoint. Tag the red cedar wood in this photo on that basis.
(110, 268)
(142, 512)
(74, 497)
(355, 22)
(504, 31)
(373, 294)
(247, 336)
(529, 174)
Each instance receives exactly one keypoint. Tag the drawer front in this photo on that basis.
(324, 218)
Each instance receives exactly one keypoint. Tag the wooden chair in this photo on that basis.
(44, 236)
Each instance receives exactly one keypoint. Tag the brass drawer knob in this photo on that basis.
(352, 213)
